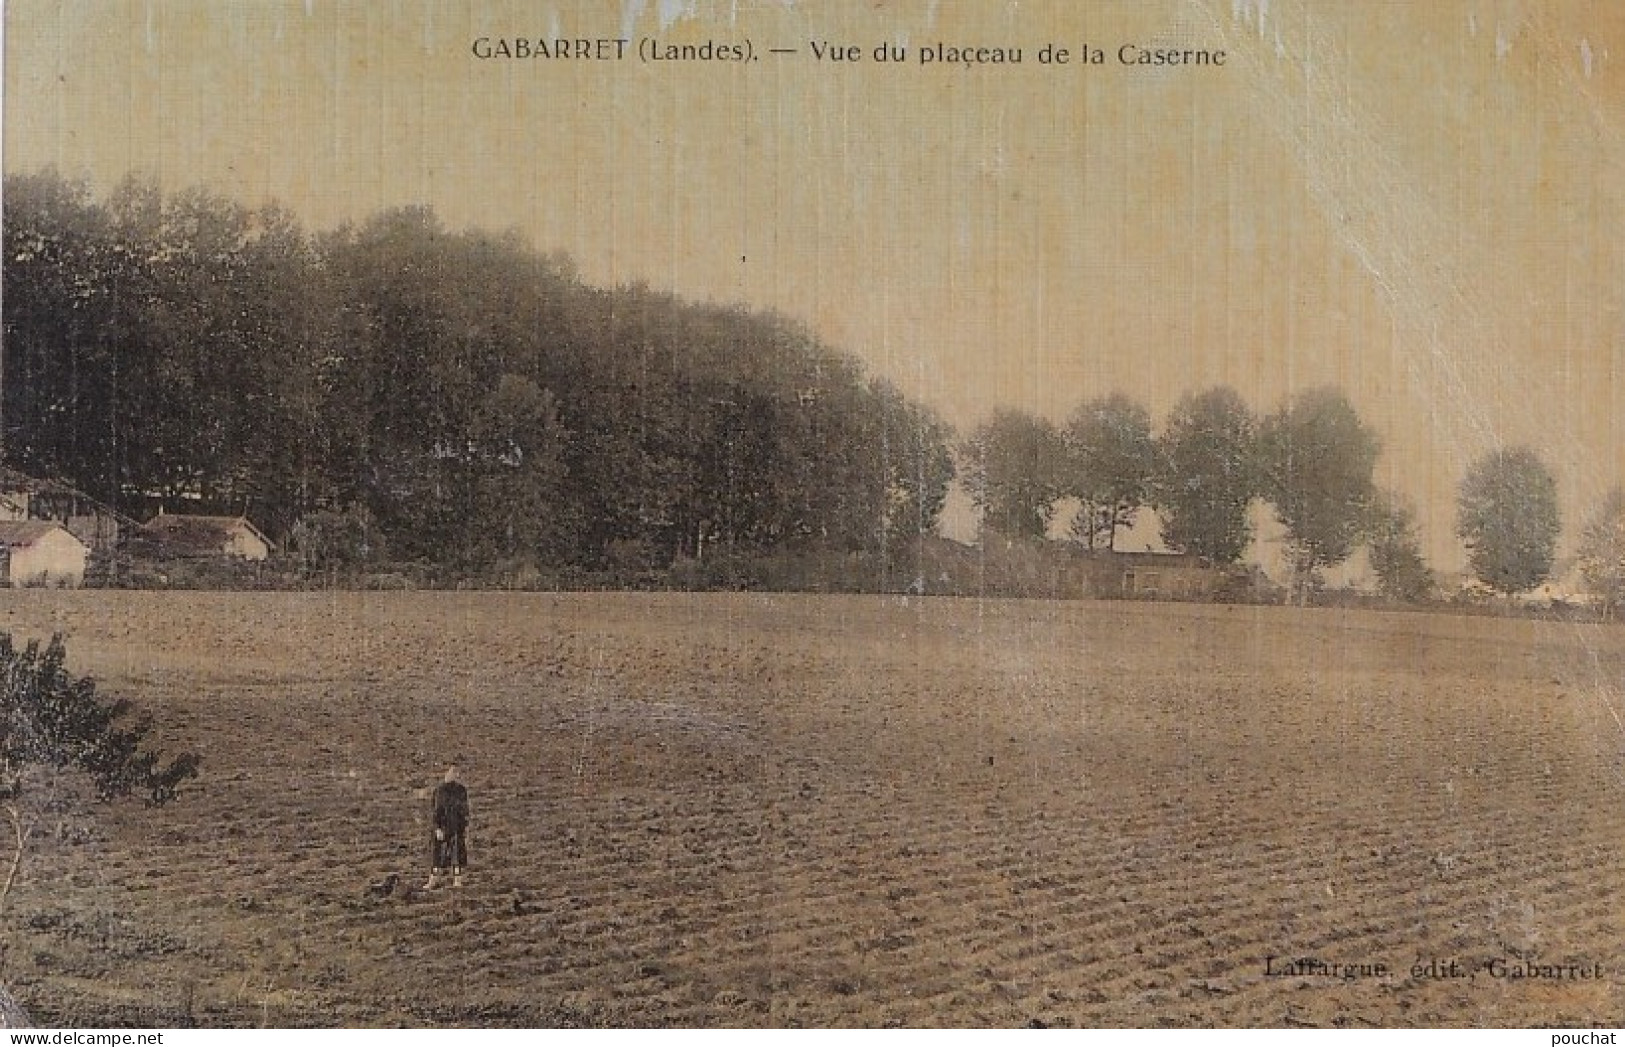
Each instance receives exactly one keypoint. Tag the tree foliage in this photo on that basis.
(473, 397)
(332, 543)
(1602, 553)
(1111, 462)
(50, 718)
(916, 465)
(1316, 462)
(1012, 467)
(1507, 514)
(1208, 475)
(1396, 550)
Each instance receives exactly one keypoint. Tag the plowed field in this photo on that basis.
(824, 810)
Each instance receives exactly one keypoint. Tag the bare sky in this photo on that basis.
(1418, 201)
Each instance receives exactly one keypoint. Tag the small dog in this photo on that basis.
(385, 887)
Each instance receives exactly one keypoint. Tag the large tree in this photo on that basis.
(1208, 475)
(918, 465)
(1111, 462)
(1012, 467)
(1316, 461)
(1506, 513)
(1395, 549)
(163, 349)
(63, 357)
(514, 461)
(1602, 553)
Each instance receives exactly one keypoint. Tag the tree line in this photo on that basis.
(1312, 461)
(394, 392)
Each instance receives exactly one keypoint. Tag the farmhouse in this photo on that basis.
(25, 497)
(1058, 570)
(41, 553)
(1145, 576)
(208, 536)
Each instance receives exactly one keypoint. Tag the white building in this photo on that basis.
(41, 553)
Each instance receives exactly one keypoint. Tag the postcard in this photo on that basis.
(834, 513)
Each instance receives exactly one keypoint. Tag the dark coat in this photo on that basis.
(451, 819)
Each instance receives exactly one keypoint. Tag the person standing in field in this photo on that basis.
(450, 830)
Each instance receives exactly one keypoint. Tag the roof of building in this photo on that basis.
(22, 533)
(185, 521)
(200, 533)
(14, 482)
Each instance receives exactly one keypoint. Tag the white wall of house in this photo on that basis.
(246, 544)
(56, 558)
